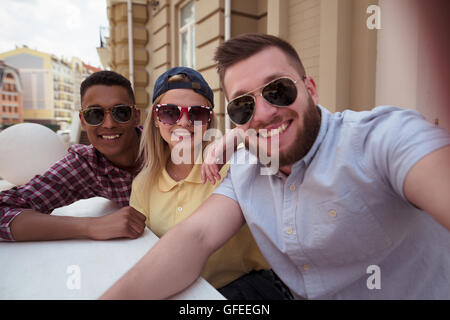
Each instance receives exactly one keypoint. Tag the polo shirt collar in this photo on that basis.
(166, 183)
(195, 176)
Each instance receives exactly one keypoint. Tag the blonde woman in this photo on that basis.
(168, 190)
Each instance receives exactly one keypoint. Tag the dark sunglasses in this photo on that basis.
(170, 114)
(95, 116)
(280, 92)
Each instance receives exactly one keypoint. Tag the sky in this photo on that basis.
(66, 28)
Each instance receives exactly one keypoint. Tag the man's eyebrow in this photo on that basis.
(94, 106)
(99, 106)
(266, 81)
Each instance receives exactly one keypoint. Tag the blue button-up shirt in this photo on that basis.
(339, 226)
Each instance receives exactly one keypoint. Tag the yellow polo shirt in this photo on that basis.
(171, 202)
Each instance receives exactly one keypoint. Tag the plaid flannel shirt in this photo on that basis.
(83, 173)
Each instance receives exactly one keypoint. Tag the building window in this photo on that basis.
(186, 35)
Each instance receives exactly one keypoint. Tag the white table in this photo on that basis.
(78, 269)
(5, 185)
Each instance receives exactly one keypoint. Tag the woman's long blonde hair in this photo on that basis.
(153, 149)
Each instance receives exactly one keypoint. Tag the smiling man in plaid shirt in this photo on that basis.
(105, 168)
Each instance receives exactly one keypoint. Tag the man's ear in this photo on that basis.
(83, 124)
(312, 89)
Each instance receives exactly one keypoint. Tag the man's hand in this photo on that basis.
(126, 222)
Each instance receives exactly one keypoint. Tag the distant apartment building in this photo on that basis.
(11, 111)
(50, 85)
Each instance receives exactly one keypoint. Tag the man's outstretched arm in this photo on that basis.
(177, 259)
(427, 185)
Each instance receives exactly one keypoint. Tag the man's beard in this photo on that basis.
(305, 138)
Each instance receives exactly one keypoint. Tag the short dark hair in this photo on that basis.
(106, 78)
(246, 45)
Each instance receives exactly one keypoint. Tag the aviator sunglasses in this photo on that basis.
(170, 114)
(280, 92)
(95, 116)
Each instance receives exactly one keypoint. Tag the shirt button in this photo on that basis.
(306, 267)
(332, 213)
(180, 209)
(292, 187)
(289, 230)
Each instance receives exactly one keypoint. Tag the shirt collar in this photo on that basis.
(166, 183)
(325, 114)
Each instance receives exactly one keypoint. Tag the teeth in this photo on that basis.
(273, 132)
(182, 133)
(111, 137)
